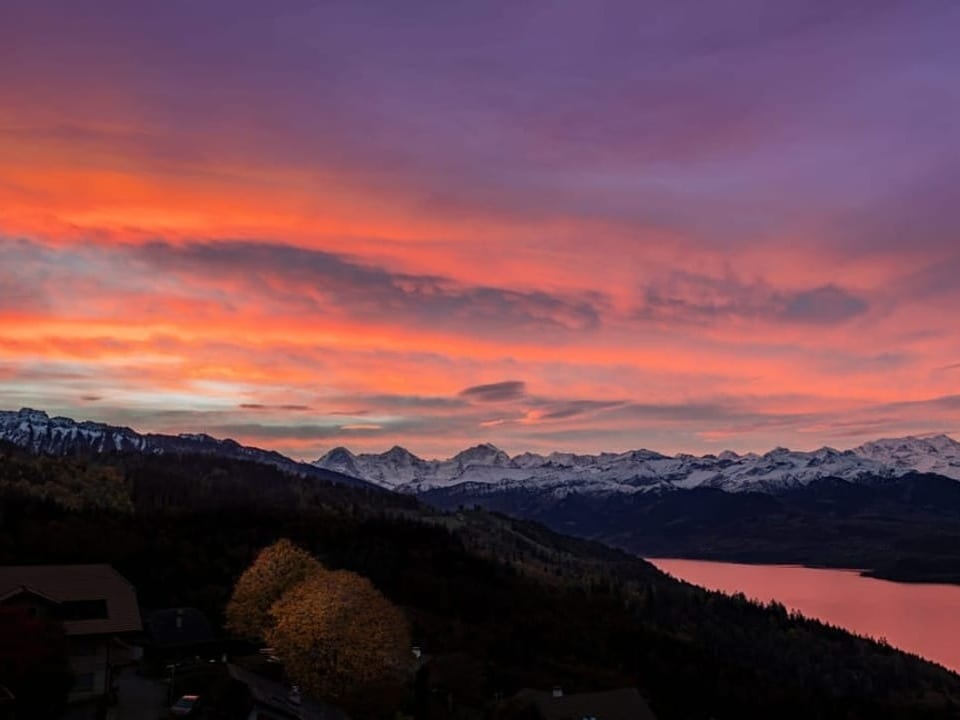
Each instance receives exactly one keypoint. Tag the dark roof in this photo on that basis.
(165, 632)
(277, 697)
(78, 583)
(623, 704)
(26, 590)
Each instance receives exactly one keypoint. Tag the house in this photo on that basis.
(270, 700)
(449, 685)
(622, 704)
(97, 608)
(175, 634)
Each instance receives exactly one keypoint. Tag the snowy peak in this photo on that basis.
(484, 454)
(394, 467)
(339, 454)
(400, 456)
(37, 432)
(634, 471)
(644, 455)
(339, 460)
(938, 454)
(28, 415)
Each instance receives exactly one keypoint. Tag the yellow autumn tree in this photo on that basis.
(339, 638)
(277, 569)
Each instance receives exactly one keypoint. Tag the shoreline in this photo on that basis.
(950, 580)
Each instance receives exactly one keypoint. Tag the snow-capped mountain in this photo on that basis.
(486, 468)
(398, 468)
(645, 470)
(39, 433)
(938, 454)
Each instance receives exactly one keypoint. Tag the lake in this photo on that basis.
(920, 618)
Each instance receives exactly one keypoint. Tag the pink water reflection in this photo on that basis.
(922, 619)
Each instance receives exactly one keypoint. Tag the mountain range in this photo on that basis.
(36, 431)
(891, 506)
(489, 468)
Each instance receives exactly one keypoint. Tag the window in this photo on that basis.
(85, 610)
(84, 682)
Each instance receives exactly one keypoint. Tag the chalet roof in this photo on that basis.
(277, 697)
(26, 589)
(622, 704)
(165, 631)
(78, 583)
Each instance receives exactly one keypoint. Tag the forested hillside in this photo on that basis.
(905, 528)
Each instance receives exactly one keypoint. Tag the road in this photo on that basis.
(139, 698)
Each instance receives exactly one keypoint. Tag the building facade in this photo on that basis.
(98, 610)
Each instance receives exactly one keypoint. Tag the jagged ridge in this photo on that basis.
(36, 431)
(645, 470)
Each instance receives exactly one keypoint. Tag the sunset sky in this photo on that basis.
(585, 226)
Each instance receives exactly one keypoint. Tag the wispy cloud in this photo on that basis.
(322, 281)
(261, 406)
(496, 392)
(689, 297)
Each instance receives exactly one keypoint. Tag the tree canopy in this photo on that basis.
(336, 634)
(277, 569)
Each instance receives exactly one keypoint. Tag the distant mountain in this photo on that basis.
(904, 528)
(41, 434)
(891, 505)
(485, 468)
(399, 469)
(938, 454)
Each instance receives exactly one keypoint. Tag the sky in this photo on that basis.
(578, 226)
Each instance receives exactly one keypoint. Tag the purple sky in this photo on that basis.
(679, 225)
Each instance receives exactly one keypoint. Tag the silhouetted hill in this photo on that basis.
(905, 528)
(124, 481)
